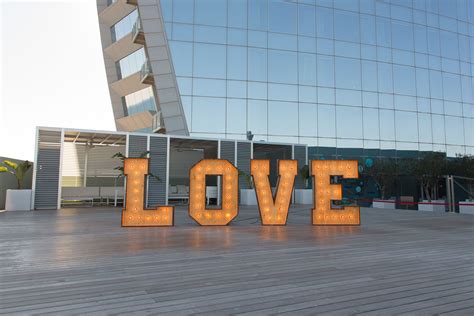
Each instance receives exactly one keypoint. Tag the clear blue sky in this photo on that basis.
(52, 71)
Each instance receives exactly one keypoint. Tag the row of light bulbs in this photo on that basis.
(273, 208)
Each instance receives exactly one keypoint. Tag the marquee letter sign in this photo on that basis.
(323, 214)
(273, 208)
(273, 211)
(134, 213)
(197, 192)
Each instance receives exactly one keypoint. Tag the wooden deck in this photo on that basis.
(79, 261)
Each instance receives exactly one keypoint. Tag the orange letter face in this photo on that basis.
(134, 214)
(273, 211)
(197, 192)
(324, 192)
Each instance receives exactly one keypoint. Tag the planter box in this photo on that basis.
(18, 200)
(385, 204)
(466, 207)
(435, 206)
(248, 197)
(304, 196)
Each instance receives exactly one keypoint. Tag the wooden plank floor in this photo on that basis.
(80, 261)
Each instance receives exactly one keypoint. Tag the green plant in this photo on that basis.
(248, 179)
(19, 170)
(304, 174)
(122, 158)
(429, 170)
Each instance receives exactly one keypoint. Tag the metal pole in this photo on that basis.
(448, 192)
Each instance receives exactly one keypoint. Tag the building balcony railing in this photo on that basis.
(138, 36)
(146, 74)
(157, 124)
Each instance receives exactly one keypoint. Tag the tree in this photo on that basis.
(122, 158)
(19, 170)
(384, 172)
(429, 170)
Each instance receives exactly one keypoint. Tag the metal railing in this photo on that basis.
(156, 123)
(136, 29)
(145, 71)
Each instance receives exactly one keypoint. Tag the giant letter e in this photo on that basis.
(323, 213)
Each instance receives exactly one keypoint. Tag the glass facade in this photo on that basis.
(378, 75)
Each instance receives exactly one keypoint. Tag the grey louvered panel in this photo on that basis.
(157, 188)
(300, 156)
(243, 162)
(47, 170)
(136, 146)
(228, 151)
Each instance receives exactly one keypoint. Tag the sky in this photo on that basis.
(52, 71)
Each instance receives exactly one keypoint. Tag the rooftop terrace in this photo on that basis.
(82, 261)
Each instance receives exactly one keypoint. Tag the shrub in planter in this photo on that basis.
(19, 199)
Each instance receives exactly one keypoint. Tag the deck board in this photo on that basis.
(77, 261)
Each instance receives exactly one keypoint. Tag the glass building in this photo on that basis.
(347, 78)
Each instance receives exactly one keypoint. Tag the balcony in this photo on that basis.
(146, 74)
(116, 10)
(138, 37)
(135, 121)
(122, 48)
(129, 84)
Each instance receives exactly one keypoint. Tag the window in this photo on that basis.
(438, 129)
(209, 61)
(210, 34)
(349, 122)
(237, 62)
(454, 130)
(282, 16)
(449, 45)
(385, 82)
(257, 15)
(367, 32)
(236, 116)
(371, 123)
(402, 35)
(209, 87)
(282, 66)
(369, 76)
(406, 126)
(326, 120)
(183, 11)
(436, 86)
(324, 22)
(383, 32)
(308, 119)
(208, 115)
(404, 79)
(421, 44)
(307, 69)
(124, 26)
(306, 20)
(387, 125)
(257, 65)
(451, 87)
(257, 116)
(282, 118)
(325, 71)
(422, 82)
(182, 58)
(132, 63)
(346, 26)
(348, 73)
(237, 13)
(210, 12)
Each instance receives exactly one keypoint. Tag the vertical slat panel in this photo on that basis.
(243, 162)
(47, 170)
(136, 146)
(157, 188)
(300, 156)
(228, 151)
